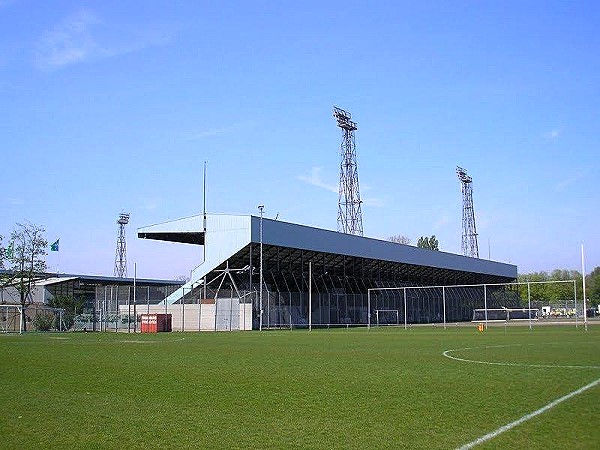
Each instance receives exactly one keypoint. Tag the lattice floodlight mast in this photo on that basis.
(121, 253)
(349, 204)
(469, 245)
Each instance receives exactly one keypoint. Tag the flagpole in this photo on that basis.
(54, 247)
(585, 324)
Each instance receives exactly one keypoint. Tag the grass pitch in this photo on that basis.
(384, 388)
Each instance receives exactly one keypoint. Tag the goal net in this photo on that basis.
(504, 314)
(10, 319)
(509, 302)
(386, 317)
(38, 317)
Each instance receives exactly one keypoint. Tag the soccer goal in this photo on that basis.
(37, 318)
(387, 317)
(10, 319)
(504, 314)
(509, 302)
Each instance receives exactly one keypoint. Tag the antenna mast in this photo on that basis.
(469, 245)
(349, 204)
(121, 253)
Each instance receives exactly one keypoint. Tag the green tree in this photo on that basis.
(430, 243)
(542, 289)
(593, 285)
(400, 239)
(26, 261)
(71, 305)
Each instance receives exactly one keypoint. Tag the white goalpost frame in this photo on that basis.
(485, 285)
(508, 311)
(377, 311)
(19, 316)
(19, 310)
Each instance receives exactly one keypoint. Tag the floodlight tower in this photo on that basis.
(469, 245)
(349, 204)
(121, 253)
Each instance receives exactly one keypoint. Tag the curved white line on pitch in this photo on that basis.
(493, 363)
(526, 417)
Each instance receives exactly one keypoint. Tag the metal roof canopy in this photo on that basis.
(46, 279)
(284, 264)
(288, 247)
(196, 238)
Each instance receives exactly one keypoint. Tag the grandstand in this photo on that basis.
(339, 268)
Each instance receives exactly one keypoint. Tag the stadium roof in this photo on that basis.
(46, 279)
(234, 239)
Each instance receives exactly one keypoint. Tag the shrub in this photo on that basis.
(43, 322)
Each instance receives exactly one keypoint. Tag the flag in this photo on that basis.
(54, 246)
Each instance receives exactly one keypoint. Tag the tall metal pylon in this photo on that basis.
(121, 253)
(349, 204)
(469, 245)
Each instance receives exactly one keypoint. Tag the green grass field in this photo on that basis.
(384, 388)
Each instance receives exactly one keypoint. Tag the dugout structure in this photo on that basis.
(311, 277)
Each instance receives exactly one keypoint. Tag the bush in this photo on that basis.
(43, 322)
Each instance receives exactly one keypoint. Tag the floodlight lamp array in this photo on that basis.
(123, 219)
(344, 119)
(462, 175)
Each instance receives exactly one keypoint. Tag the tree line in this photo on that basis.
(430, 243)
(546, 286)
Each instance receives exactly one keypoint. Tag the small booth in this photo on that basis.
(155, 323)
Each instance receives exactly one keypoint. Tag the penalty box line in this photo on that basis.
(526, 417)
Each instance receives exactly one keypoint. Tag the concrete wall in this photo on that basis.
(191, 312)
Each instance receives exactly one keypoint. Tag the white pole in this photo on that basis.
(310, 295)
(529, 303)
(243, 314)
(405, 318)
(575, 299)
(584, 299)
(260, 295)
(134, 302)
(200, 312)
(231, 306)
(444, 302)
(369, 309)
(128, 309)
(485, 305)
(183, 311)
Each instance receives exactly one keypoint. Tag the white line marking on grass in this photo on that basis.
(492, 363)
(137, 341)
(526, 417)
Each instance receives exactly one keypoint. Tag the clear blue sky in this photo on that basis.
(114, 106)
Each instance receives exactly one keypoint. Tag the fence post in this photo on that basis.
(485, 305)
(405, 310)
(529, 303)
(444, 303)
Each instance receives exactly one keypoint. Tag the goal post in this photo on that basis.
(10, 319)
(387, 317)
(38, 317)
(457, 303)
(505, 314)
